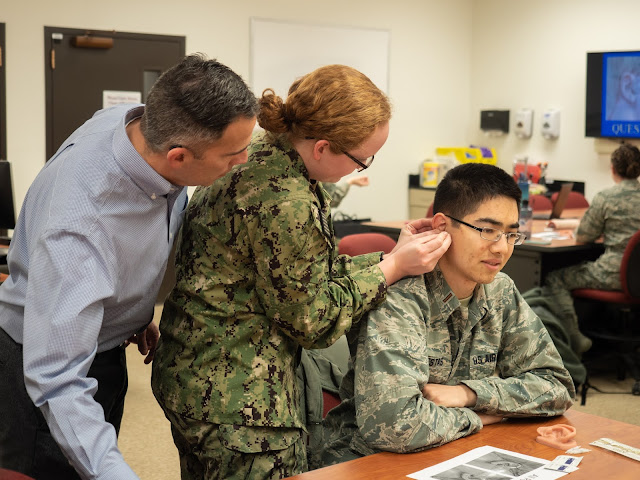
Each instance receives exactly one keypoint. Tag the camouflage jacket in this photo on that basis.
(497, 347)
(614, 213)
(257, 277)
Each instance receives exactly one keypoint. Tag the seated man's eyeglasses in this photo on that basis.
(493, 234)
(363, 164)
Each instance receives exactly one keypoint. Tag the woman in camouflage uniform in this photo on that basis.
(613, 214)
(258, 278)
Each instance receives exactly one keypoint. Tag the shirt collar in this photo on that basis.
(141, 173)
(479, 305)
(445, 297)
(449, 302)
(283, 142)
(630, 183)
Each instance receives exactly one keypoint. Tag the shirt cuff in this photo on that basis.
(485, 401)
(372, 285)
(366, 260)
(475, 424)
(120, 471)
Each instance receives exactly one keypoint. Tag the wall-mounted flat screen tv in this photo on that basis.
(613, 95)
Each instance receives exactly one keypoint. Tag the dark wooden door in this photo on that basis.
(81, 65)
(3, 98)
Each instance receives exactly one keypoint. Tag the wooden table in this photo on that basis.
(515, 435)
(529, 263)
(392, 228)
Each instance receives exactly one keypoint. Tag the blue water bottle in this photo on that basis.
(526, 218)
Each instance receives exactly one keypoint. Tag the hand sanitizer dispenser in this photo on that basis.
(523, 123)
(551, 124)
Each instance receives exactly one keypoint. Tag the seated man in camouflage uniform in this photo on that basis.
(454, 349)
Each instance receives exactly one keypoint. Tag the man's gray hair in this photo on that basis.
(192, 103)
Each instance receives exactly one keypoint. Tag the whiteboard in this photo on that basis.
(281, 52)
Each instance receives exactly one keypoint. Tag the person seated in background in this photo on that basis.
(338, 190)
(614, 214)
(455, 349)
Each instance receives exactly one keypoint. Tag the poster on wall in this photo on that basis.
(111, 98)
(283, 51)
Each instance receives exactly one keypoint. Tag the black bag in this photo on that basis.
(345, 225)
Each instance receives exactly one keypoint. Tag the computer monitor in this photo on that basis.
(561, 201)
(7, 211)
(558, 206)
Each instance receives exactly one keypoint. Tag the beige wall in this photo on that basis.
(430, 92)
(448, 60)
(533, 54)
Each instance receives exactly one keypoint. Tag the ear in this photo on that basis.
(627, 88)
(439, 222)
(176, 157)
(320, 147)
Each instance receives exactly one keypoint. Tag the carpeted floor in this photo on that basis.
(145, 436)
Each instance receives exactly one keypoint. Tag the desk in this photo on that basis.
(515, 435)
(529, 263)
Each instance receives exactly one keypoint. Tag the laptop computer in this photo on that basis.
(558, 206)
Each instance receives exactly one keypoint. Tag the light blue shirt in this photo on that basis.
(86, 260)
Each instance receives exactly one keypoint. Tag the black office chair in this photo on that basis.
(619, 330)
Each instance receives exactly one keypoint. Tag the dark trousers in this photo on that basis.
(26, 445)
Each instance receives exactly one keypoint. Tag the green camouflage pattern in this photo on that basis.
(231, 452)
(336, 191)
(614, 214)
(422, 334)
(257, 278)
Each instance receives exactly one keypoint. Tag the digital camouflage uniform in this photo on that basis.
(337, 191)
(614, 213)
(497, 347)
(257, 278)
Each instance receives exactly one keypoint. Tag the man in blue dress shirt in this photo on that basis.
(87, 259)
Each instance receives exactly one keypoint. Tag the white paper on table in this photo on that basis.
(550, 235)
(489, 463)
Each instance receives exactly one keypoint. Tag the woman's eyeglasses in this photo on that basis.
(362, 164)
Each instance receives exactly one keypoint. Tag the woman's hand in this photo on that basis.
(415, 256)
